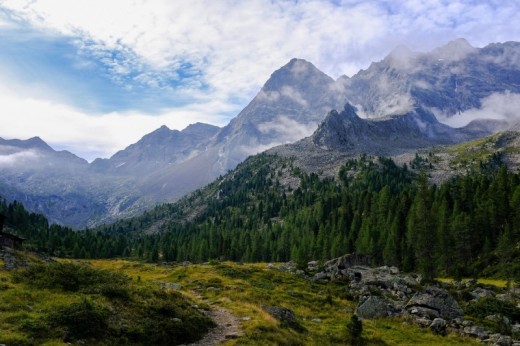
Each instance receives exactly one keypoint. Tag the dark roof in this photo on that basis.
(9, 235)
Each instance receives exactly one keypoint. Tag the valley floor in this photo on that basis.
(323, 310)
(236, 296)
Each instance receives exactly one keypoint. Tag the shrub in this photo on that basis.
(354, 331)
(491, 306)
(82, 320)
(68, 277)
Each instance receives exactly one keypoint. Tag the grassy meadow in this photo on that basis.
(127, 292)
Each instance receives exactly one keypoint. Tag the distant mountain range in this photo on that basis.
(390, 108)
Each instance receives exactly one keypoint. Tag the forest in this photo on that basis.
(467, 226)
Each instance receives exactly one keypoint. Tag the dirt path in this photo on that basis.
(228, 327)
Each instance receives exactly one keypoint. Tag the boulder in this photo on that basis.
(335, 268)
(479, 293)
(373, 307)
(438, 326)
(476, 332)
(313, 266)
(285, 316)
(437, 299)
(499, 340)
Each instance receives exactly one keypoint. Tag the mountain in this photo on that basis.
(396, 105)
(157, 149)
(290, 105)
(448, 80)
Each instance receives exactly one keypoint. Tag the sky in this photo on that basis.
(94, 76)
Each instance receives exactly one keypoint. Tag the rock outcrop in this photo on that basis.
(386, 292)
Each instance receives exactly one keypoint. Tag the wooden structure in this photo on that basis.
(9, 240)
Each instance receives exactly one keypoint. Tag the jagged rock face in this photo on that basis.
(159, 148)
(289, 107)
(449, 79)
(347, 132)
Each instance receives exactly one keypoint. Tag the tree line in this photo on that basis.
(464, 226)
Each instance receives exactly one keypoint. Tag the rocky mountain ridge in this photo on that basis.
(405, 94)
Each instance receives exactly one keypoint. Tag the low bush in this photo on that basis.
(491, 306)
(68, 277)
(82, 320)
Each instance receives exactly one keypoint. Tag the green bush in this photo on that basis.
(491, 306)
(354, 331)
(82, 320)
(68, 277)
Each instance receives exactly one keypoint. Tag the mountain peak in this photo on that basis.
(294, 73)
(400, 57)
(200, 129)
(454, 50)
(31, 143)
(164, 128)
(37, 142)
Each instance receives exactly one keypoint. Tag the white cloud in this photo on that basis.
(287, 129)
(65, 127)
(497, 106)
(236, 44)
(229, 48)
(17, 157)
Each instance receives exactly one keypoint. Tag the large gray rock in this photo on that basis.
(373, 307)
(437, 299)
(286, 316)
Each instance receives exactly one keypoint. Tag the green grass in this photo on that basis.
(60, 303)
(121, 302)
(245, 289)
(489, 282)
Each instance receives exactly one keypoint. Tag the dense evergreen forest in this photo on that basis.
(469, 225)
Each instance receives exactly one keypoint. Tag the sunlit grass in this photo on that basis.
(245, 289)
(490, 282)
(321, 309)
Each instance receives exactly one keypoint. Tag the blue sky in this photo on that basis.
(94, 76)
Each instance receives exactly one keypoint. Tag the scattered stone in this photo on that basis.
(438, 326)
(313, 266)
(480, 293)
(467, 323)
(317, 320)
(320, 276)
(423, 322)
(11, 262)
(247, 318)
(171, 285)
(476, 332)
